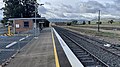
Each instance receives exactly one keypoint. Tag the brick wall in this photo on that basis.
(21, 25)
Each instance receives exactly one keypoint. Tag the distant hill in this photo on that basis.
(81, 20)
(66, 20)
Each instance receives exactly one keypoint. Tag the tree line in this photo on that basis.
(87, 22)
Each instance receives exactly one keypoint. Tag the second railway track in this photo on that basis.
(92, 49)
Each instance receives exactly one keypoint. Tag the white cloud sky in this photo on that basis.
(77, 9)
(1, 11)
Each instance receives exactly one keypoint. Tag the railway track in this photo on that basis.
(94, 49)
(112, 49)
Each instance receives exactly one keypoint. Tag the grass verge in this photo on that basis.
(92, 32)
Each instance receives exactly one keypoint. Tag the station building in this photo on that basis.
(26, 24)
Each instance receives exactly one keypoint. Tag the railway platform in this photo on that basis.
(45, 51)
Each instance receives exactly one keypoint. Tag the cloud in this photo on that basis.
(88, 10)
(42, 9)
(90, 7)
(47, 3)
(71, 9)
(1, 5)
(117, 1)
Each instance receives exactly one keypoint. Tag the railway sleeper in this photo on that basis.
(91, 63)
(78, 50)
(81, 51)
(82, 56)
(86, 59)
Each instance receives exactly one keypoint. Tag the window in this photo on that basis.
(26, 24)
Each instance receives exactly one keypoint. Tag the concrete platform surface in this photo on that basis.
(39, 53)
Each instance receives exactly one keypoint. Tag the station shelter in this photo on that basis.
(26, 24)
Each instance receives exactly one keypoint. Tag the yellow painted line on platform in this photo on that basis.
(55, 52)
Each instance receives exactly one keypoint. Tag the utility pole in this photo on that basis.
(35, 19)
(36, 4)
(99, 21)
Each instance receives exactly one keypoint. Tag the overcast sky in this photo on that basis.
(78, 9)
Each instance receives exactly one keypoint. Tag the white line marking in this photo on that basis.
(11, 44)
(16, 42)
(27, 36)
(21, 39)
(70, 55)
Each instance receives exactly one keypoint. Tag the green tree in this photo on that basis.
(4, 21)
(74, 21)
(12, 8)
(69, 24)
(19, 8)
(84, 22)
(98, 22)
(111, 21)
(28, 8)
(89, 22)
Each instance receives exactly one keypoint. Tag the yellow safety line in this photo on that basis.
(55, 52)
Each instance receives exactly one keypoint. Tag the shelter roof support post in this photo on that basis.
(14, 30)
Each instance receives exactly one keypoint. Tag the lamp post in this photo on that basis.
(99, 21)
(35, 17)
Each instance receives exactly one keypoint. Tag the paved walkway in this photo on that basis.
(39, 53)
